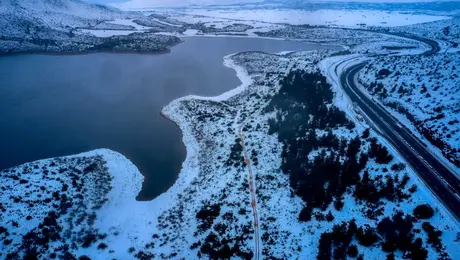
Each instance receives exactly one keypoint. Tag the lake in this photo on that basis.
(60, 105)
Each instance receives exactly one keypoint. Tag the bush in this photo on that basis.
(102, 246)
(338, 203)
(423, 211)
(366, 236)
(305, 214)
(352, 251)
(397, 232)
(383, 73)
(433, 235)
(366, 133)
(206, 215)
(379, 152)
(398, 167)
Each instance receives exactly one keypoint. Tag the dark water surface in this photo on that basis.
(61, 105)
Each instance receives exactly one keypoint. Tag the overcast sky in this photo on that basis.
(156, 3)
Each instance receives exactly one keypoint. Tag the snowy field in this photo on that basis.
(345, 18)
(106, 31)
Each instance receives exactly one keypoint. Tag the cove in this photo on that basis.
(60, 105)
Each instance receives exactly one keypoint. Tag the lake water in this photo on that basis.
(61, 105)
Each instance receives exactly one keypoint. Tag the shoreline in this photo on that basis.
(182, 39)
(182, 140)
(89, 52)
(170, 112)
(83, 53)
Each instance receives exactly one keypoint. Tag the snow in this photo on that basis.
(332, 67)
(130, 22)
(121, 21)
(210, 128)
(106, 33)
(347, 18)
(404, 86)
(446, 30)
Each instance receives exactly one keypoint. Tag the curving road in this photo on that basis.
(444, 183)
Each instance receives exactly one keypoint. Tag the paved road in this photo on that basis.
(434, 173)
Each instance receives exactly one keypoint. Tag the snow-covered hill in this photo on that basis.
(24, 18)
(55, 26)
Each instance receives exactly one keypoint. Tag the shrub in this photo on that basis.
(352, 251)
(366, 133)
(423, 211)
(398, 167)
(383, 73)
(379, 152)
(206, 215)
(102, 246)
(366, 236)
(305, 214)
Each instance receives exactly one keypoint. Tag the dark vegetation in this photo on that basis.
(395, 233)
(383, 73)
(206, 216)
(216, 247)
(233, 29)
(423, 211)
(61, 224)
(303, 105)
(431, 134)
(218, 244)
(236, 157)
(424, 80)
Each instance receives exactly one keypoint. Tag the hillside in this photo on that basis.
(52, 26)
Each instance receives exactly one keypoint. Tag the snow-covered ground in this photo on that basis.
(446, 31)
(207, 212)
(423, 90)
(67, 26)
(84, 205)
(345, 18)
(106, 31)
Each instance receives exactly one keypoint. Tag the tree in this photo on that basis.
(329, 217)
(352, 251)
(379, 152)
(383, 73)
(423, 211)
(305, 214)
(433, 235)
(390, 256)
(324, 247)
(396, 231)
(417, 251)
(367, 236)
(389, 189)
(366, 133)
(338, 203)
